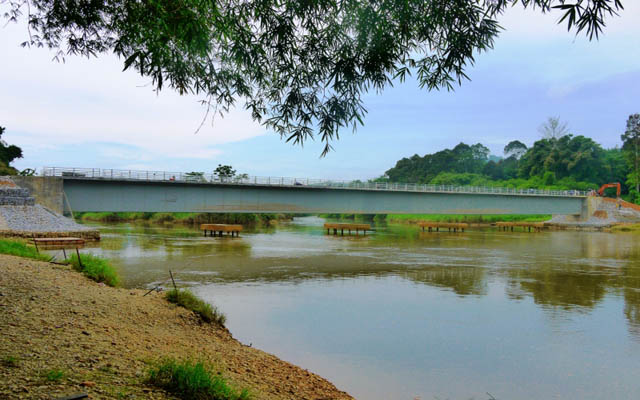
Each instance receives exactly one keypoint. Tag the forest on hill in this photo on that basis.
(559, 160)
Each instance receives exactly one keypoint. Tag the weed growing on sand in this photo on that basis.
(54, 375)
(190, 301)
(95, 268)
(21, 249)
(192, 380)
(9, 361)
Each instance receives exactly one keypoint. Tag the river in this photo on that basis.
(402, 314)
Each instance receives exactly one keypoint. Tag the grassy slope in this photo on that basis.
(410, 218)
(21, 249)
(181, 217)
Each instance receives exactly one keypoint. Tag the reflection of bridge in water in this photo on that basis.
(153, 191)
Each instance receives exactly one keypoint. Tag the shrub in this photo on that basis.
(20, 249)
(95, 268)
(191, 380)
(190, 301)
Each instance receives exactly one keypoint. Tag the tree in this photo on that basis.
(631, 148)
(298, 66)
(515, 148)
(224, 172)
(553, 128)
(8, 153)
(576, 157)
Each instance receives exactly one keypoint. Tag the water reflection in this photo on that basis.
(585, 284)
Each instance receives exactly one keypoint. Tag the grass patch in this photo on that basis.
(487, 219)
(95, 268)
(626, 228)
(54, 375)
(187, 218)
(191, 380)
(9, 361)
(21, 249)
(185, 298)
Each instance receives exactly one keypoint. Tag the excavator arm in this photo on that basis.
(610, 185)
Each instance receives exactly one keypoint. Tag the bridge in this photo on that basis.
(158, 191)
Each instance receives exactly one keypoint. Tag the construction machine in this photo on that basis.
(610, 185)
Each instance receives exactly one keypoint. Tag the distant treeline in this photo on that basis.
(183, 218)
(567, 162)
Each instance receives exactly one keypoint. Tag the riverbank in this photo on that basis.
(61, 333)
(415, 218)
(187, 218)
(474, 219)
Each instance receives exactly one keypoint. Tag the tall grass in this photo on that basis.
(185, 298)
(191, 380)
(95, 268)
(21, 249)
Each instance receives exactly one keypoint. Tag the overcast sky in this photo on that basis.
(88, 113)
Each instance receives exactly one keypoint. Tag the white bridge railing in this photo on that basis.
(243, 179)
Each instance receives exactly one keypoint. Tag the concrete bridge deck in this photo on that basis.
(156, 191)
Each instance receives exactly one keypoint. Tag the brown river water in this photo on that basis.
(402, 314)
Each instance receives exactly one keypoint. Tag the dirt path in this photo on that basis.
(103, 339)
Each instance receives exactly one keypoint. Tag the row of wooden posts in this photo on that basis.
(340, 228)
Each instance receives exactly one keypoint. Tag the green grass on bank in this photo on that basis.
(487, 219)
(413, 218)
(185, 298)
(21, 249)
(626, 228)
(95, 268)
(183, 217)
(191, 380)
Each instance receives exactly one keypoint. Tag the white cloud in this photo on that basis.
(85, 101)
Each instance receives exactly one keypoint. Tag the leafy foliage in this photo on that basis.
(299, 66)
(462, 158)
(515, 148)
(8, 153)
(631, 148)
(224, 172)
(578, 157)
(568, 162)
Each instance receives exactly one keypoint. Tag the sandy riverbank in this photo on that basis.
(54, 318)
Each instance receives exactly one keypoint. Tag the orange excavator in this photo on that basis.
(609, 185)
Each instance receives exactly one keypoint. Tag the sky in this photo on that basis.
(87, 113)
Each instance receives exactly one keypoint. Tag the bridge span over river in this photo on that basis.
(158, 191)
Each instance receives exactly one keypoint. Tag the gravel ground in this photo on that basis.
(36, 219)
(103, 339)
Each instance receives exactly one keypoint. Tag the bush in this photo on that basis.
(20, 249)
(190, 301)
(95, 268)
(191, 380)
